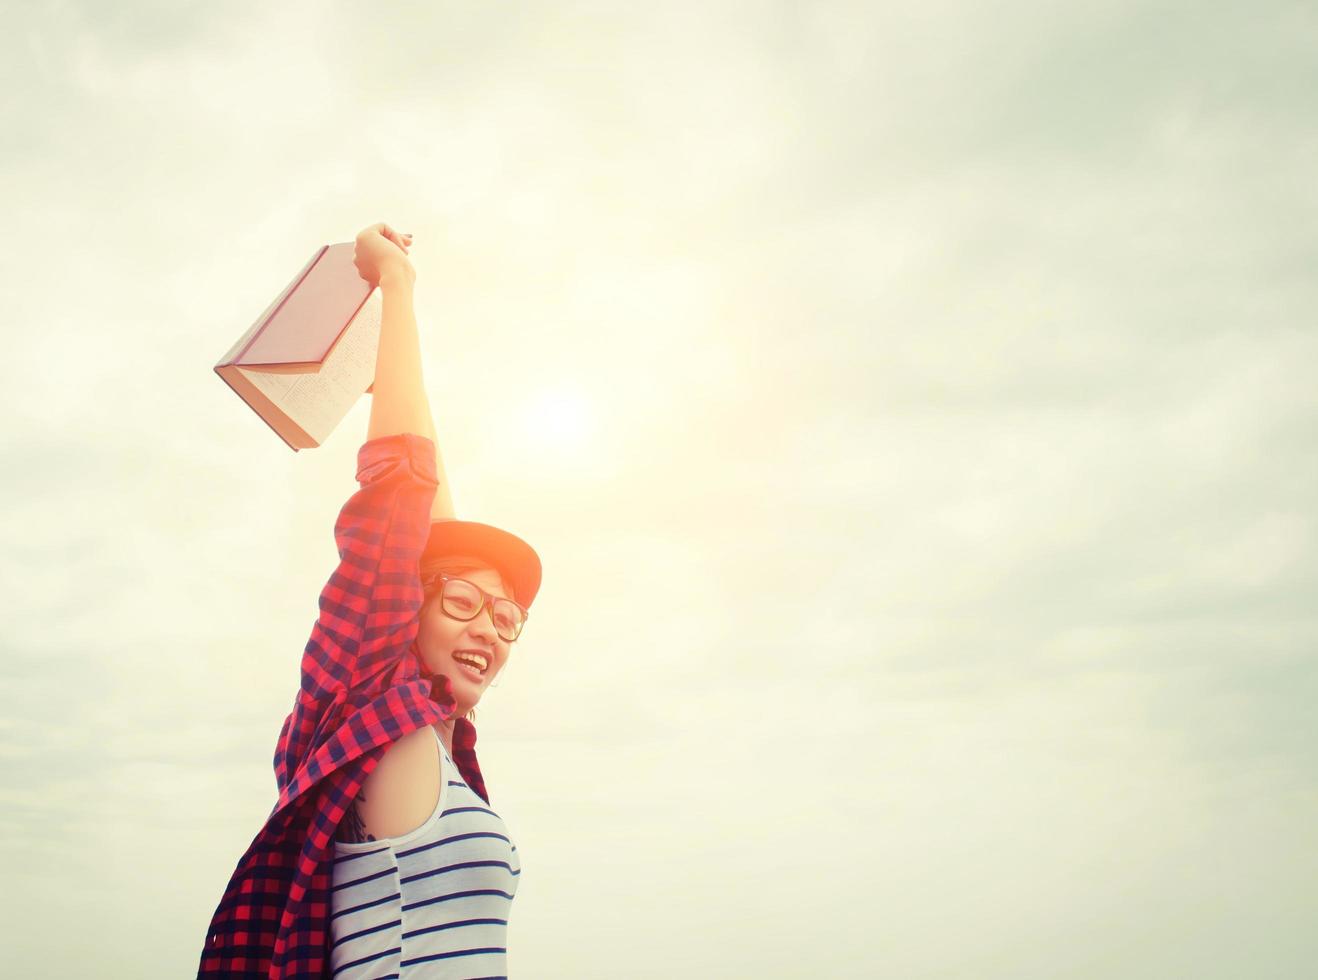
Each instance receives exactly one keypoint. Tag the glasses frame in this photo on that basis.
(487, 602)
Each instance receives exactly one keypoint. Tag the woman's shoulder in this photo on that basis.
(401, 792)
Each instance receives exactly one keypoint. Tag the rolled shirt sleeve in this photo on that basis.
(370, 606)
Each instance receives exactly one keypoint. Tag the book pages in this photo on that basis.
(318, 399)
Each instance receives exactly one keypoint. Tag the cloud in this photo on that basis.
(941, 535)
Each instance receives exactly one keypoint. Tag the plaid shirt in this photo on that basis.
(363, 687)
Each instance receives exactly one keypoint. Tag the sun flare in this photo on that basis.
(561, 419)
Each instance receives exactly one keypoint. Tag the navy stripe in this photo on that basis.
(456, 867)
(367, 932)
(368, 959)
(455, 925)
(367, 905)
(353, 857)
(362, 881)
(454, 895)
(449, 840)
(461, 952)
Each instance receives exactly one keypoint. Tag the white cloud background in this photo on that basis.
(928, 580)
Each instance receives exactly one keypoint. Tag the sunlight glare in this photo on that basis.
(561, 419)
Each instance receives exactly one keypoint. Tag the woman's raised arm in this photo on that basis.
(398, 399)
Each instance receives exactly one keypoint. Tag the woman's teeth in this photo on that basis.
(470, 666)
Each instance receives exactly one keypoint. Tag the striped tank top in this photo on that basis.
(432, 903)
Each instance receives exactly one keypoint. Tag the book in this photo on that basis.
(308, 358)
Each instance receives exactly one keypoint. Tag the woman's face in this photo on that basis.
(440, 636)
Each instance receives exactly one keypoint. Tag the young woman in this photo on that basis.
(383, 857)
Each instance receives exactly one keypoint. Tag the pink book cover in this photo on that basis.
(295, 335)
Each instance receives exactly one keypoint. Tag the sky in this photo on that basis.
(912, 406)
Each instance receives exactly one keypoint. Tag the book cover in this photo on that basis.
(308, 358)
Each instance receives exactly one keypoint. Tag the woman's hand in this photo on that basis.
(379, 250)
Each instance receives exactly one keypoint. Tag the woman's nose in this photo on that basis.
(484, 623)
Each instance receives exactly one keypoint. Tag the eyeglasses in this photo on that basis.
(463, 600)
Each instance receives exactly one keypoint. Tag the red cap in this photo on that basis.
(514, 559)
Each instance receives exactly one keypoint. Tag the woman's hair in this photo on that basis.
(458, 565)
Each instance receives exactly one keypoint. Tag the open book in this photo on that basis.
(308, 358)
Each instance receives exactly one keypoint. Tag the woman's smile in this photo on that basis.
(468, 670)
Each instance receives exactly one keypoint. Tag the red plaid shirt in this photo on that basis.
(364, 686)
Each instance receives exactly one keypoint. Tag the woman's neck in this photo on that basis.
(445, 730)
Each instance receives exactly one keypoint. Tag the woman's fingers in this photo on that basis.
(403, 241)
